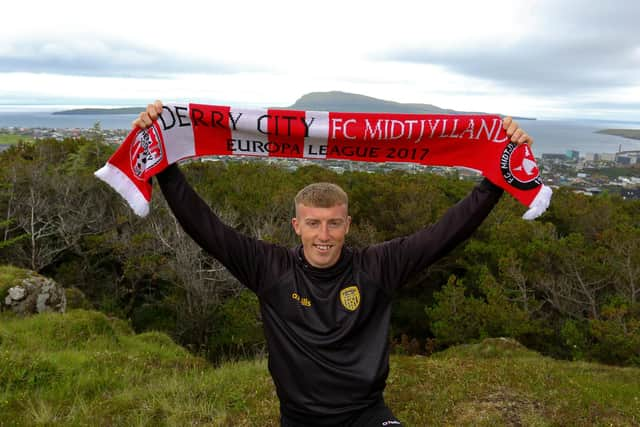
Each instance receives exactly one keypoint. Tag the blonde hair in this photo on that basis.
(321, 195)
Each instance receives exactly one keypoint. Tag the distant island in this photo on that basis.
(625, 133)
(82, 111)
(350, 102)
(321, 101)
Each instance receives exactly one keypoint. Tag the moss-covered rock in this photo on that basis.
(26, 292)
(10, 276)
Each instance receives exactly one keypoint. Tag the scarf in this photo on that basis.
(477, 142)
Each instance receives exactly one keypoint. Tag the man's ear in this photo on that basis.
(348, 224)
(296, 225)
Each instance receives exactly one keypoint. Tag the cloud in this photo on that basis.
(576, 47)
(567, 65)
(103, 58)
(609, 106)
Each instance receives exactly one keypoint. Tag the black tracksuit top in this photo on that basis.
(326, 329)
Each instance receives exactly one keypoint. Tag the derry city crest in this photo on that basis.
(146, 151)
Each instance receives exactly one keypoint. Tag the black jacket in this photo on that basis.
(326, 329)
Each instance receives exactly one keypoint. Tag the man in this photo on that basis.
(326, 307)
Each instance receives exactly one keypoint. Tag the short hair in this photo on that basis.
(321, 195)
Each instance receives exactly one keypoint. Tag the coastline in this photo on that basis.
(624, 133)
(550, 136)
(99, 111)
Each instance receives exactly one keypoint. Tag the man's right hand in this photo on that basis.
(145, 118)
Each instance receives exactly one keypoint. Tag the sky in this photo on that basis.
(537, 58)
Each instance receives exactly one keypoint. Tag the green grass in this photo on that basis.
(85, 369)
(499, 383)
(10, 138)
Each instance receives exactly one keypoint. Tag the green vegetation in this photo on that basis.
(84, 368)
(497, 382)
(625, 133)
(613, 173)
(565, 285)
(12, 138)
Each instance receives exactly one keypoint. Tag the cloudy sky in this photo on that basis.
(543, 58)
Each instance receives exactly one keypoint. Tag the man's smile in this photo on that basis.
(322, 247)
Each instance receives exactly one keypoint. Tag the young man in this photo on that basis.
(326, 307)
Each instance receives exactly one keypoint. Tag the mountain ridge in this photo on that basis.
(344, 101)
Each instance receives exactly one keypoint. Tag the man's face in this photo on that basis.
(322, 231)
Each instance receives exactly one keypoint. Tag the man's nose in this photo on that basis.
(324, 232)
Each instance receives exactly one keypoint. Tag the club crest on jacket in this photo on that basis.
(350, 298)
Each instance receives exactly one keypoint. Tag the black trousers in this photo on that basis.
(377, 415)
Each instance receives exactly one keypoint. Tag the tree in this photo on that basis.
(10, 234)
(623, 258)
(574, 277)
(204, 283)
(55, 209)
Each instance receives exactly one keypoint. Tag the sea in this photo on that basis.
(550, 136)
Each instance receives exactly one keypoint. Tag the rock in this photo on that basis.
(35, 294)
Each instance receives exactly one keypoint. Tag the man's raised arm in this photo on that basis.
(242, 255)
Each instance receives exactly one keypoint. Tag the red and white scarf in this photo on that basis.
(477, 142)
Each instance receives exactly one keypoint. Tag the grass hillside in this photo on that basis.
(83, 368)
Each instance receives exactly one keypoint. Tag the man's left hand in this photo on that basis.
(514, 131)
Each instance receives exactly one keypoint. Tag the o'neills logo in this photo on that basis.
(350, 298)
(146, 151)
(519, 167)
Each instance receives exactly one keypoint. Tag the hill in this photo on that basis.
(84, 368)
(343, 101)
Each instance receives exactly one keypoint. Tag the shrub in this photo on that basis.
(617, 333)
(238, 328)
(575, 338)
(154, 317)
(458, 318)
(455, 316)
(77, 299)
